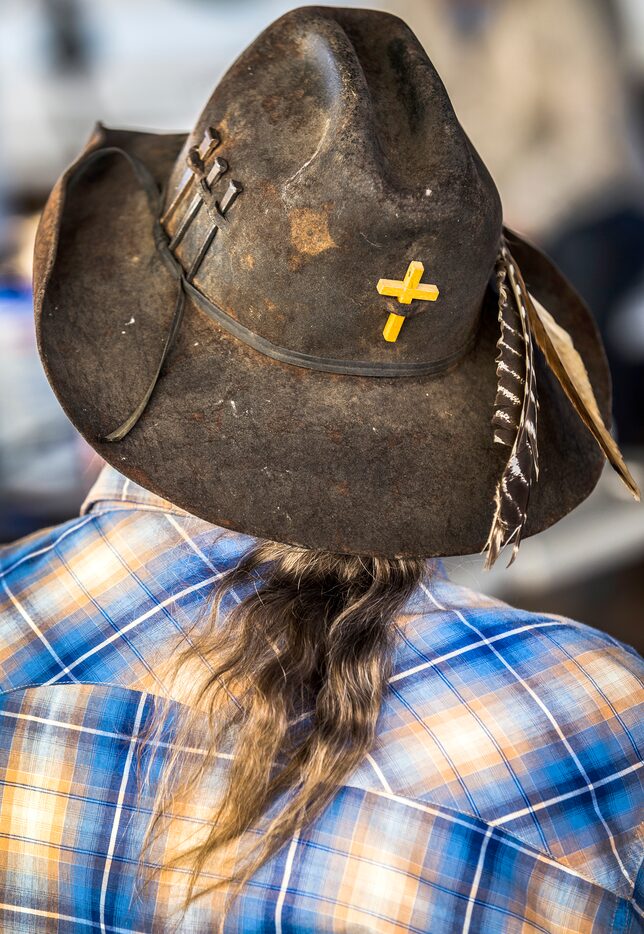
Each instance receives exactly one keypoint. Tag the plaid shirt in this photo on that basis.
(502, 794)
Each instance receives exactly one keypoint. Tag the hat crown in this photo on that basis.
(353, 165)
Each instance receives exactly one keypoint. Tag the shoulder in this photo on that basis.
(32, 547)
(476, 634)
(528, 672)
(527, 721)
(80, 601)
(36, 594)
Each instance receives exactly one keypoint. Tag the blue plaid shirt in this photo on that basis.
(502, 795)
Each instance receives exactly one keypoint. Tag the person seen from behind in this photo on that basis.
(239, 692)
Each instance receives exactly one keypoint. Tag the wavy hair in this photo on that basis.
(291, 688)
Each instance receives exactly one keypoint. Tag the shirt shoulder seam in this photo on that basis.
(428, 806)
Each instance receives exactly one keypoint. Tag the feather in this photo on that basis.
(515, 414)
(565, 362)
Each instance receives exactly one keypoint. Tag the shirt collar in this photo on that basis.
(112, 487)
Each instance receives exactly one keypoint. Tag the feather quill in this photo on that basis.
(523, 318)
(565, 362)
(515, 413)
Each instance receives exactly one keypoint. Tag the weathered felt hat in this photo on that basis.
(287, 321)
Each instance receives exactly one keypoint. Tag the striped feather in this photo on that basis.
(515, 412)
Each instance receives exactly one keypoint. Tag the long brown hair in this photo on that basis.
(295, 677)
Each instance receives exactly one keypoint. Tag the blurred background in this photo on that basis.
(551, 93)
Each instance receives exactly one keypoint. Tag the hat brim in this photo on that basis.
(348, 464)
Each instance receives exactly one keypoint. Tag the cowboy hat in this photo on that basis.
(286, 322)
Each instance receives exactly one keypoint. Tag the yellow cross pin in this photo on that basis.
(405, 291)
